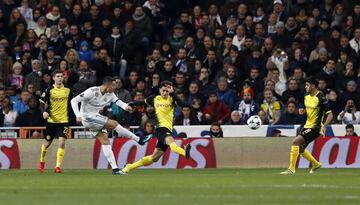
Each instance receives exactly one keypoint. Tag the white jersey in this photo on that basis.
(92, 101)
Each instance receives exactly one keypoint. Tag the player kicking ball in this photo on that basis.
(164, 105)
(93, 100)
(316, 107)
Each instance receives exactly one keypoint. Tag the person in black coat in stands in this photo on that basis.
(102, 66)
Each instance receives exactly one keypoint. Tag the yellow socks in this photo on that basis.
(43, 153)
(173, 146)
(142, 162)
(294, 153)
(307, 155)
(59, 156)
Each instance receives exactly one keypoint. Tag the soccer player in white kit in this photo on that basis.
(92, 101)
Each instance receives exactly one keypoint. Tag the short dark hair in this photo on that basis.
(311, 80)
(108, 79)
(349, 126)
(57, 71)
(165, 83)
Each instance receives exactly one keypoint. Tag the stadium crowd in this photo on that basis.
(228, 59)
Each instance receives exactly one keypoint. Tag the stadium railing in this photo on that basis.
(76, 132)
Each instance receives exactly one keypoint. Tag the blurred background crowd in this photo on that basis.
(228, 59)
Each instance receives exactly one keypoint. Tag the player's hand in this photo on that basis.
(130, 109)
(170, 89)
(78, 120)
(45, 115)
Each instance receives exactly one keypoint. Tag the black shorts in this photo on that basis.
(161, 133)
(309, 135)
(55, 130)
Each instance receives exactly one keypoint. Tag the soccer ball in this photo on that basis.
(254, 122)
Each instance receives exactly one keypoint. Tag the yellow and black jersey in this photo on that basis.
(164, 109)
(57, 102)
(317, 108)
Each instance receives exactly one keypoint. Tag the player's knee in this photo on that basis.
(155, 159)
(112, 124)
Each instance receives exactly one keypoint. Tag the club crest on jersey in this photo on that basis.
(96, 94)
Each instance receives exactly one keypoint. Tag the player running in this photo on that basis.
(316, 107)
(93, 100)
(164, 105)
(56, 104)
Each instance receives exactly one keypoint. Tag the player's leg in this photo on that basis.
(63, 133)
(49, 136)
(297, 144)
(307, 155)
(147, 160)
(112, 124)
(170, 141)
(107, 149)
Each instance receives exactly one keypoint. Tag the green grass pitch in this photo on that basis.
(184, 187)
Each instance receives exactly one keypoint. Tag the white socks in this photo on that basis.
(126, 133)
(109, 155)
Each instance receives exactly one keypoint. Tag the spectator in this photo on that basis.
(21, 106)
(85, 78)
(16, 79)
(292, 90)
(5, 65)
(271, 106)
(247, 106)
(143, 23)
(153, 62)
(85, 53)
(349, 115)
(256, 60)
(290, 116)
(315, 54)
(131, 42)
(177, 39)
(216, 110)
(235, 119)
(32, 117)
(53, 16)
(224, 93)
(206, 86)
(215, 130)
(280, 86)
(316, 66)
(350, 92)
(196, 107)
(167, 72)
(145, 130)
(114, 46)
(101, 64)
(183, 63)
(349, 128)
(329, 75)
(334, 103)
(34, 77)
(279, 60)
(187, 117)
(355, 42)
(72, 58)
(9, 115)
(255, 82)
(149, 115)
(193, 92)
(263, 117)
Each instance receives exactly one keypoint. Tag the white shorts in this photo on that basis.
(95, 123)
